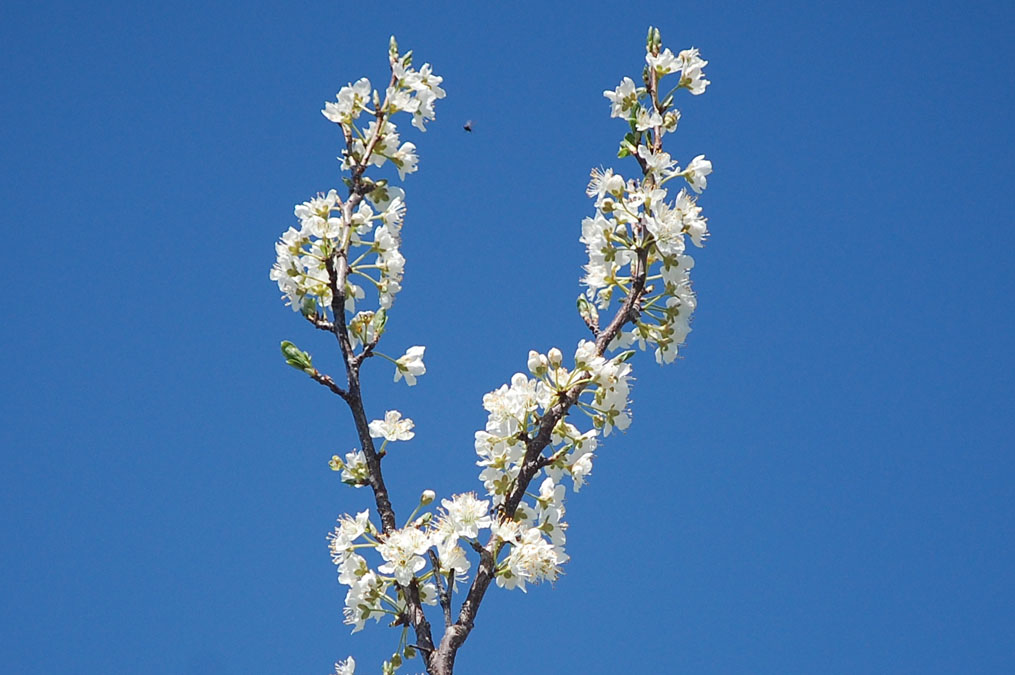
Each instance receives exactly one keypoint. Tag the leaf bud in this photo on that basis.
(297, 358)
(588, 313)
(308, 307)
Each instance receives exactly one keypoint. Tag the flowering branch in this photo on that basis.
(637, 267)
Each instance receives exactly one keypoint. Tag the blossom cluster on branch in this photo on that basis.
(543, 427)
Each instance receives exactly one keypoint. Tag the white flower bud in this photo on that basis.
(537, 363)
(427, 497)
(555, 357)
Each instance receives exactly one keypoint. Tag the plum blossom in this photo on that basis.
(402, 551)
(410, 365)
(347, 667)
(467, 515)
(393, 427)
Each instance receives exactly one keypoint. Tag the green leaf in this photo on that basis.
(297, 358)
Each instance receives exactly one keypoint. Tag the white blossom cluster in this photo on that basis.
(535, 538)
(365, 228)
(376, 592)
(633, 215)
(302, 255)
(636, 244)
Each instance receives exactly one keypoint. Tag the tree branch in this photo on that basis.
(326, 380)
(442, 593)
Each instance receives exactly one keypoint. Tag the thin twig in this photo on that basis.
(326, 380)
(442, 593)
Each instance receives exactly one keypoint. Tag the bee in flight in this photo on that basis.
(468, 126)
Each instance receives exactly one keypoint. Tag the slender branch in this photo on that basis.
(442, 592)
(338, 271)
(320, 323)
(330, 384)
(456, 634)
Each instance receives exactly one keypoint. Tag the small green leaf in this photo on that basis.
(297, 358)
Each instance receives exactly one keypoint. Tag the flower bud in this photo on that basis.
(555, 357)
(537, 363)
(427, 497)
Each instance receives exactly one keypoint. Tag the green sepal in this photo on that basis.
(624, 356)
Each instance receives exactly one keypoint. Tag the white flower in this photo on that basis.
(347, 667)
(348, 531)
(363, 601)
(452, 557)
(533, 560)
(664, 63)
(622, 98)
(410, 365)
(580, 465)
(507, 531)
(351, 569)
(351, 100)
(355, 470)
(656, 162)
(690, 215)
(401, 550)
(405, 159)
(392, 427)
(696, 171)
(666, 225)
(691, 76)
(467, 515)
(646, 119)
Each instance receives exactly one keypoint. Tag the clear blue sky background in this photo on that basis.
(824, 484)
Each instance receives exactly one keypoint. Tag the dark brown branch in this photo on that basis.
(456, 634)
(338, 271)
(442, 592)
(320, 323)
(329, 383)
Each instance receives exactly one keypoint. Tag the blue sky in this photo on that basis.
(824, 483)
